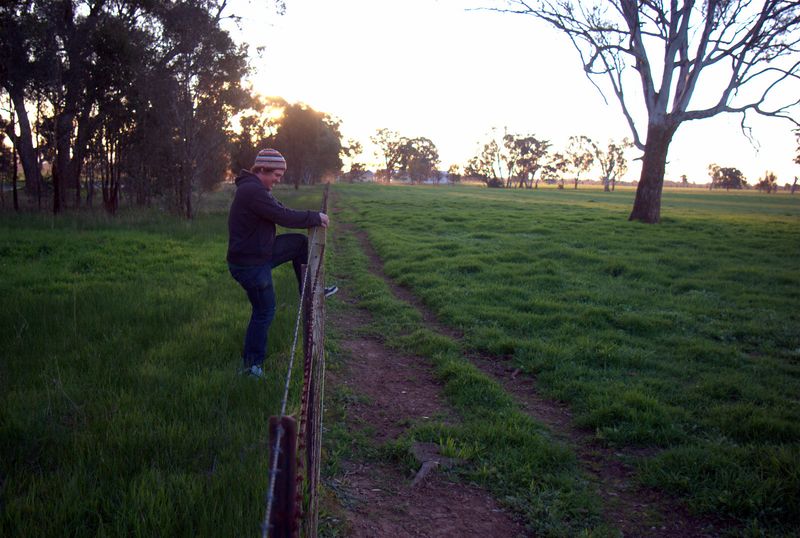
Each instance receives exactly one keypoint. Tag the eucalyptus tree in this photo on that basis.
(487, 165)
(768, 183)
(561, 163)
(389, 147)
(419, 159)
(22, 69)
(102, 65)
(524, 156)
(554, 169)
(357, 172)
(694, 60)
(796, 160)
(580, 156)
(612, 162)
(454, 174)
(726, 177)
(258, 123)
(797, 157)
(9, 170)
(207, 66)
(351, 149)
(311, 142)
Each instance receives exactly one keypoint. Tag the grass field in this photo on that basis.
(683, 337)
(121, 414)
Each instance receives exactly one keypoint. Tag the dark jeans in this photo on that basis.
(257, 282)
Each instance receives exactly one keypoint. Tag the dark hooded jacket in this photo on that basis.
(252, 219)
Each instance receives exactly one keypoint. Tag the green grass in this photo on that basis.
(684, 336)
(507, 452)
(121, 413)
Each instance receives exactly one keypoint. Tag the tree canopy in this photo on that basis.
(768, 183)
(415, 159)
(311, 143)
(612, 161)
(524, 155)
(419, 159)
(106, 90)
(726, 177)
(580, 155)
(389, 145)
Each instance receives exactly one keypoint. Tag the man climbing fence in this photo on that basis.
(254, 250)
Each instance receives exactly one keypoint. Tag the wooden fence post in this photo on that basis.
(283, 523)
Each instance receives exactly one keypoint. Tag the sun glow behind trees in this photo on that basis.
(435, 70)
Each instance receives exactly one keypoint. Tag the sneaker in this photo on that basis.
(331, 290)
(253, 371)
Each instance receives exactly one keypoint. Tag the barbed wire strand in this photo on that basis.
(279, 432)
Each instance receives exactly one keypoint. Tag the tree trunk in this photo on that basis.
(188, 200)
(14, 178)
(110, 177)
(647, 205)
(78, 194)
(63, 133)
(76, 165)
(89, 184)
(24, 142)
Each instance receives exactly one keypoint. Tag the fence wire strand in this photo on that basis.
(279, 431)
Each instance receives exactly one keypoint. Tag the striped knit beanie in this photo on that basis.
(270, 158)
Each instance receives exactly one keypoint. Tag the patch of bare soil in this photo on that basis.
(627, 505)
(393, 391)
(381, 502)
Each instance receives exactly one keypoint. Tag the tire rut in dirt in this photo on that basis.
(395, 390)
(632, 508)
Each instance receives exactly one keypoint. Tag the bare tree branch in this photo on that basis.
(747, 48)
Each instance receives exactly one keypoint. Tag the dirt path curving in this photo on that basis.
(393, 390)
(634, 509)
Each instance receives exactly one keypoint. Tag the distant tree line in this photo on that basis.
(732, 178)
(522, 161)
(513, 161)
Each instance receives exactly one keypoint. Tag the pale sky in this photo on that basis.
(431, 68)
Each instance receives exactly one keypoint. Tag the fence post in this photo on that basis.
(283, 523)
(314, 336)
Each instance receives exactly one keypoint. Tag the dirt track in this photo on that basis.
(400, 389)
(395, 389)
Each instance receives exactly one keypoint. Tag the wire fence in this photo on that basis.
(292, 501)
